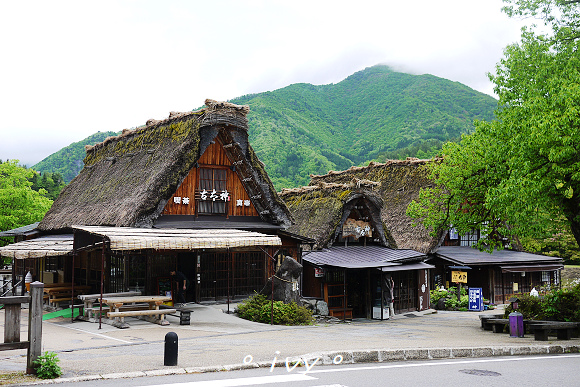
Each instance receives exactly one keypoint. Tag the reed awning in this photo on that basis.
(126, 238)
(45, 246)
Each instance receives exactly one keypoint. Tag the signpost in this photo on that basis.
(459, 276)
(475, 299)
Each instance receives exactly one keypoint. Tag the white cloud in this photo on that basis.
(71, 68)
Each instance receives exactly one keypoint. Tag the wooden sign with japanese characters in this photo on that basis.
(212, 187)
(356, 228)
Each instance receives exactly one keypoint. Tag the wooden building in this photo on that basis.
(187, 193)
(500, 274)
(379, 194)
(360, 241)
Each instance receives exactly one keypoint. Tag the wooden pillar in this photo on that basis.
(34, 325)
(344, 295)
(12, 322)
(102, 283)
(72, 296)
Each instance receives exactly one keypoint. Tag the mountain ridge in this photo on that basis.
(305, 129)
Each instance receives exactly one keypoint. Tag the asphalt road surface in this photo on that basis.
(548, 370)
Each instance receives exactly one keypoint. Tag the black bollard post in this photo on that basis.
(170, 356)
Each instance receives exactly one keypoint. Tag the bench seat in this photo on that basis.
(564, 330)
(498, 324)
(485, 318)
(143, 312)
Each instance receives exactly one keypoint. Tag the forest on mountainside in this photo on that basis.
(374, 114)
(307, 129)
(68, 161)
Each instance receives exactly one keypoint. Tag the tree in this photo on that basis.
(518, 174)
(19, 204)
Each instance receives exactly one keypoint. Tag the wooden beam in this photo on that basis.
(94, 246)
(14, 300)
(10, 346)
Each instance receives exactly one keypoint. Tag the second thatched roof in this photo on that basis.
(396, 183)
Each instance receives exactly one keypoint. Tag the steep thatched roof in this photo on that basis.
(396, 182)
(320, 210)
(127, 179)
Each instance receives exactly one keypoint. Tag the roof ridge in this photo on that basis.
(212, 107)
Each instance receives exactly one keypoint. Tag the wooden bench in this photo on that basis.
(143, 312)
(153, 314)
(564, 330)
(91, 312)
(57, 294)
(497, 324)
(485, 318)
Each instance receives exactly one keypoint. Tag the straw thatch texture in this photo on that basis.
(397, 182)
(126, 238)
(46, 246)
(320, 210)
(127, 179)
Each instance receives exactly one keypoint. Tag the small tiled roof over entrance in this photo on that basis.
(353, 257)
(465, 255)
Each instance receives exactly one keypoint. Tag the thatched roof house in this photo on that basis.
(389, 187)
(127, 180)
(186, 193)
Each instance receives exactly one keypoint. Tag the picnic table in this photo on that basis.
(131, 308)
(91, 311)
(58, 293)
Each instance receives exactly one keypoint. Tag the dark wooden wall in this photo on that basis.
(213, 157)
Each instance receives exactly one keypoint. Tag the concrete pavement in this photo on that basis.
(217, 341)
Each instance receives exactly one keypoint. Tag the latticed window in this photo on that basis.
(470, 239)
(212, 193)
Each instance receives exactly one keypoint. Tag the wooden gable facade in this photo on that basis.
(212, 188)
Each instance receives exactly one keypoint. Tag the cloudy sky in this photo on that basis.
(72, 68)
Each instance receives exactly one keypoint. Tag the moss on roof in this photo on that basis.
(397, 182)
(127, 179)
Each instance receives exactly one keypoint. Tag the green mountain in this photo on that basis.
(307, 129)
(68, 161)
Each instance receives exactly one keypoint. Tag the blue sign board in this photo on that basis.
(475, 299)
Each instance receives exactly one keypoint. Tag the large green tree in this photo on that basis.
(19, 204)
(520, 173)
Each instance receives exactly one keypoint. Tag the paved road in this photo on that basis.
(550, 370)
(216, 340)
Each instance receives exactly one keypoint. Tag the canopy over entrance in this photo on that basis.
(45, 246)
(359, 257)
(126, 238)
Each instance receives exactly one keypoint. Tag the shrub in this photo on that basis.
(47, 367)
(452, 303)
(555, 305)
(258, 308)
(529, 306)
(562, 305)
(436, 295)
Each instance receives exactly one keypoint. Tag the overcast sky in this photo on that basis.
(72, 68)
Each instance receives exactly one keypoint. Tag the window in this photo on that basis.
(212, 194)
(470, 239)
(545, 276)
